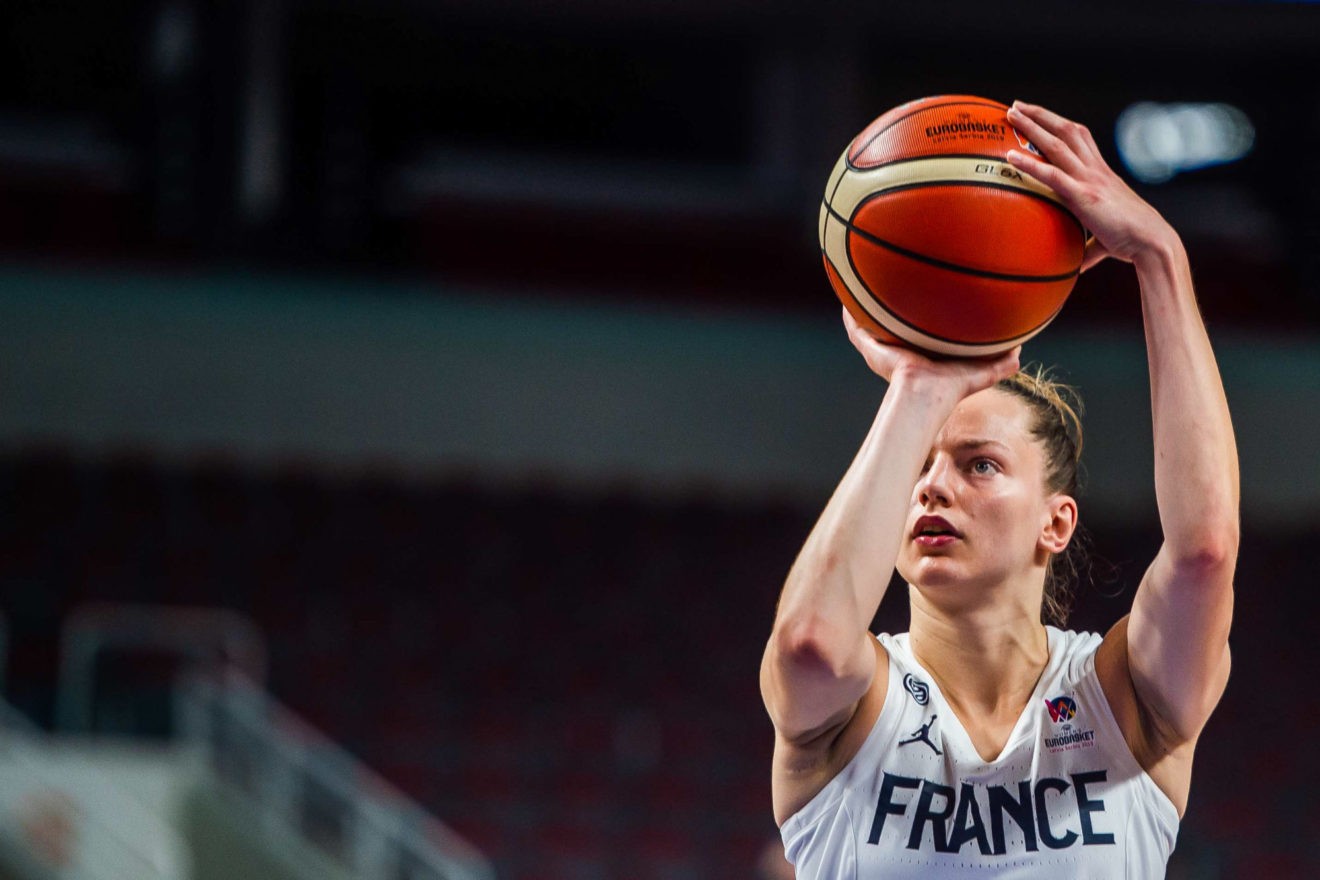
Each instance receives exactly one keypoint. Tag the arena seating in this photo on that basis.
(569, 680)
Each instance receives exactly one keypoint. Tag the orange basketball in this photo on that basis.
(931, 239)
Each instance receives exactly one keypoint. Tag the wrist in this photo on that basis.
(1162, 253)
(931, 391)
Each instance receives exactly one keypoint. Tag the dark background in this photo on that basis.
(563, 665)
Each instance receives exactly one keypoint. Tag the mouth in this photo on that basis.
(934, 531)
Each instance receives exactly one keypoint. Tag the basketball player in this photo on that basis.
(983, 742)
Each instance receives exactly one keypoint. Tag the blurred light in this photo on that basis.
(1157, 141)
(174, 40)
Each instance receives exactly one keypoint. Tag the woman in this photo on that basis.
(984, 739)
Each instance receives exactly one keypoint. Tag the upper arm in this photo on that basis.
(812, 678)
(1177, 641)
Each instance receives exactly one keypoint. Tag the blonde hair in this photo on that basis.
(1056, 422)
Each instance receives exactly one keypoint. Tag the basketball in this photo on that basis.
(932, 240)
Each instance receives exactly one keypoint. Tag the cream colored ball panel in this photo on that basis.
(840, 168)
(859, 184)
(848, 187)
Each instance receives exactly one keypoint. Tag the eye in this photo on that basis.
(984, 467)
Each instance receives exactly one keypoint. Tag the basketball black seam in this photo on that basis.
(831, 193)
(906, 323)
(871, 293)
(1053, 203)
(987, 157)
(873, 137)
(1026, 192)
(875, 299)
(941, 264)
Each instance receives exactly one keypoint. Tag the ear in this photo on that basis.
(1060, 525)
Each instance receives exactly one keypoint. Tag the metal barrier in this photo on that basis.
(208, 636)
(297, 780)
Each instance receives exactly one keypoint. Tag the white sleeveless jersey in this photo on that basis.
(1065, 798)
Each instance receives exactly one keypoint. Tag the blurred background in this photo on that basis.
(409, 411)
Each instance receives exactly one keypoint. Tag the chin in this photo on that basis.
(944, 573)
(933, 572)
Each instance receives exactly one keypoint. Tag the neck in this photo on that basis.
(985, 661)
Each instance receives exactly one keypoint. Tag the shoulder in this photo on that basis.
(1078, 650)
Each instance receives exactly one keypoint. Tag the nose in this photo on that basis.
(934, 488)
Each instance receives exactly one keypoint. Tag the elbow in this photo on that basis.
(1211, 550)
(812, 645)
(812, 675)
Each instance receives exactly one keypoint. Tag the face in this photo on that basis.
(980, 513)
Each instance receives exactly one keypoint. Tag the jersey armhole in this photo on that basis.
(1160, 803)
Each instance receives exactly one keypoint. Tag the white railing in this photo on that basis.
(296, 780)
(198, 636)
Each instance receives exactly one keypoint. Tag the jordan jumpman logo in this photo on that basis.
(923, 735)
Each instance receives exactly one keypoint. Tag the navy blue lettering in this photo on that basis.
(937, 820)
(1043, 816)
(962, 832)
(957, 820)
(1002, 802)
(886, 806)
(1085, 806)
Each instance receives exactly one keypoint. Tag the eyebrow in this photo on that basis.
(966, 445)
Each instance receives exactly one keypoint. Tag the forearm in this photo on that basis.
(819, 660)
(840, 576)
(1196, 468)
(1177, 635)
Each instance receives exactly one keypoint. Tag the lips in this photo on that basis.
(934, 529)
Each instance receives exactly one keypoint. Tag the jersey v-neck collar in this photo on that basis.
(1024, 728)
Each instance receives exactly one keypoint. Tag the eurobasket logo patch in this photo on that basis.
(1063, 710)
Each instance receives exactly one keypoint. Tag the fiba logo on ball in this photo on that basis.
(928, 250)
(1023, 142)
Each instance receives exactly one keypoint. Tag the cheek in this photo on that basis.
(1015, 515)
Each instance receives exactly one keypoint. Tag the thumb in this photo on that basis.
(1095, 253)
(1008, 363)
